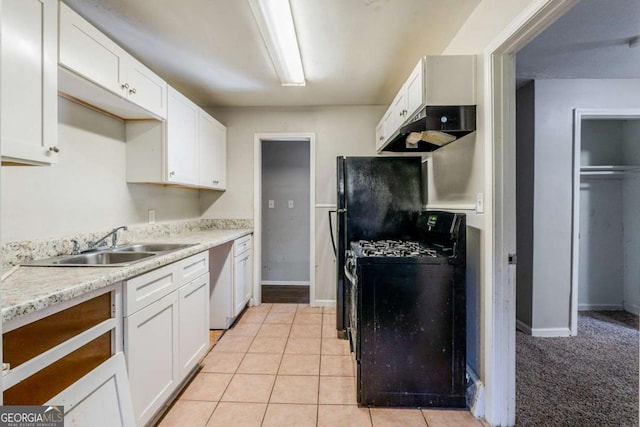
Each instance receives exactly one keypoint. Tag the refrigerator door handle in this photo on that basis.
(333, 241)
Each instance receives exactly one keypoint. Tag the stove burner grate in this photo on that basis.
(395, 248)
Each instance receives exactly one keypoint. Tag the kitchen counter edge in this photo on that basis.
(30, 289)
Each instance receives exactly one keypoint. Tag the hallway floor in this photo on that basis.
(282, 365)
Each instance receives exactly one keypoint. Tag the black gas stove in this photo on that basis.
(407, 315)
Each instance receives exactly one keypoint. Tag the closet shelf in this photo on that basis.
(609, 170)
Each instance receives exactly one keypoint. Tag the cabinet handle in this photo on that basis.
(215, 181)
(172, 173)
(55, 149)
(125, 86)
(132, 90)
(381, 138)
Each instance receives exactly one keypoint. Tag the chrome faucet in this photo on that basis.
(114, 238)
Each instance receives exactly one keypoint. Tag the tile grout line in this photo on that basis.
(234, 373)
(279, 365)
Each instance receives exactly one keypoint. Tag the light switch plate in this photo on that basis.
(290, 204)
(272, 204)
(152, 216)
(480, 203)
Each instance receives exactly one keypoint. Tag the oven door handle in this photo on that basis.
(347, 272)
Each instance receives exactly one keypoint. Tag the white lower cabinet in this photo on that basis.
(241, 280)
(193, 322)
(231, 273)
(165, 335)
(151, 348)
(101, 398)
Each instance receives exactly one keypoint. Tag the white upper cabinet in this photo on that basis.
(399, 108)
(182, 140)
(188, 149)
(380, 138)
(212, 156)
(434, 81)
(92, 63)
(414, 90)
(28, 82)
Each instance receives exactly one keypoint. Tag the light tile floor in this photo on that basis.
(282, 365)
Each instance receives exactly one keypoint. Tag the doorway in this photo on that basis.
(284, 218)
(606, 233)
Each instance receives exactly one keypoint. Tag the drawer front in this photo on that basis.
(193, 267)
(149, 287)
(242, 244)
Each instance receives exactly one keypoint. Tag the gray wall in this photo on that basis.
(525, 133)
(555, 101)
(631, 197)
(286, 238)
(601, 271)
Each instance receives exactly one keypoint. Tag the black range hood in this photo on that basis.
(434, 127)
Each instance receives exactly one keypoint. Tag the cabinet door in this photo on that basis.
(89, 53)
(239, 279)
(213, 153)
(380, 136)
(388, 123)
(399, 107)
(182, 138)
(248, 277)
(29, 81)
(146, 88)
(151, 349)
(414, 88)
(101, 398)
(194, 323)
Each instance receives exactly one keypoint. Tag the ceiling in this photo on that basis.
(591, 41)
(354, 52)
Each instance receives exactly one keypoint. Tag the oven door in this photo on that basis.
(350, 272)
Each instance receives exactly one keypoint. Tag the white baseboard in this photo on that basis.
(550, 332)
(632, 308)
(523, 327)
(284, 283)
(475, 394)
(600, 307)
(324, 303)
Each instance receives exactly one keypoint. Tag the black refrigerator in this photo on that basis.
(377, 198)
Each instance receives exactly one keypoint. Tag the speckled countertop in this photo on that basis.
(30, 289)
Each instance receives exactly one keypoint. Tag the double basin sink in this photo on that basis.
(113, 257)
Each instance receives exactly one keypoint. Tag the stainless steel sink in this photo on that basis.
(152, 247)
(94, 259)
(118, 257)
(105, 258)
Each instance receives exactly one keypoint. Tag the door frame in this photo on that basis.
(500, 230)
(259, 139)
(580, 114)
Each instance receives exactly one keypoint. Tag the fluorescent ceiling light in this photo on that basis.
(276, 25)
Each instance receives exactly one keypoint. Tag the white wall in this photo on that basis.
(348, 131)
(460, 169)
(555, 101)
(87, 190)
